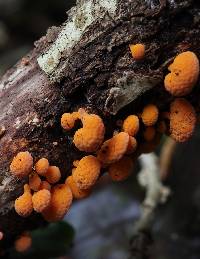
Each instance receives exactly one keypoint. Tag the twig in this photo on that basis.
(156, 192)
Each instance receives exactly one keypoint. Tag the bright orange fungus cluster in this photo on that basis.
(37, 194)
(137, 133)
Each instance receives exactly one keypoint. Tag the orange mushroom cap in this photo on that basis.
(113, 149)
(23, 243)
(41, 200)
(132, 145)
(121, 170)
(21, 164)
(150, 115)
(87, 172)
(131, 125)
(68, 120)
(77, 192)
(137, 51)
(91, 136)
(23, 204)
(45, 185)
(34, 182)
(182, 120)
(61, 200)
(184, 74)
(53, 174)
(42, 166)
(149, 133)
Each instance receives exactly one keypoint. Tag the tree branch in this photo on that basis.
(86, 63)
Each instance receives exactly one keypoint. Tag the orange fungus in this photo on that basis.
(23, 204)
(22, 164)
(131, 125)
(42, 166)
(34, 182)
(182, 120)
(53, 174)
(184, 74)
(90, 137)
(68, 120)
(132, 145)
(150, 115)
(77, 192)
(114, 148)
(41, 200)
(87, 172)
(137, 51)
(120, 170)
(61, 200)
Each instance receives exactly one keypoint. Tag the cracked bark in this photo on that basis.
(97, 72)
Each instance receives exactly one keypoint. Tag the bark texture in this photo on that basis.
(87, 63)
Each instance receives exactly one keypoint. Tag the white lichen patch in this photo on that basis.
(156, 192)
(29, 118)
(17, 123)
(87, 13)
(33, 119)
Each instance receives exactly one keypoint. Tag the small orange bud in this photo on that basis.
(137, 51)
(41, 200)
(34, 182)
(53, 174)
(42, 166)
(150, 115)
(131, 125)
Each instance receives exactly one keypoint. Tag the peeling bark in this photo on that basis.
(93, 69)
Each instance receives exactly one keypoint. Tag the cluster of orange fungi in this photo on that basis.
(138, 133)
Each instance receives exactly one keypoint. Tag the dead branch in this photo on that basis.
(86, 63)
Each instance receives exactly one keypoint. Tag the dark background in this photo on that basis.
(23, 21)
